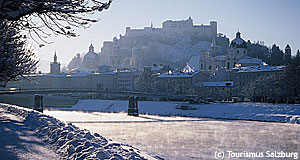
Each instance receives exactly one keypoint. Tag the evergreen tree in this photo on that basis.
(287, 54)
(276, 57)
(298, 54)
(291, 81)
(258, 50)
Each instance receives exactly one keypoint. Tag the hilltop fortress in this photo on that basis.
(183, 27)
(172, 44)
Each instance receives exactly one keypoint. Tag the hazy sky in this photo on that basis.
(271, 21)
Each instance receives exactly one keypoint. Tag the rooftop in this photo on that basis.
(250, 60)
(215, 84)
(260, 68)
(178, 75)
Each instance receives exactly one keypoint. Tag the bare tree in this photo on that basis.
(15, 58)
(58, 16)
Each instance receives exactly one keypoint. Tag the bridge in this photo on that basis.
(93, 91)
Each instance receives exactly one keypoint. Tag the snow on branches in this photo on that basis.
(15, 58)
(59, 16)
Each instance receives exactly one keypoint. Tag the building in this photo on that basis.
(242, 76)
(211, 61)
(125, 80)
(117, 80)
(172, 44)
(221, 90)
(91, 59)
(105, 81)
(179, 82)
(89, 62)
(54, 66)
(249, 61)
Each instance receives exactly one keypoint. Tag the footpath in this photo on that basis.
(19, 141)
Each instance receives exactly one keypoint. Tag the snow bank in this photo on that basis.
(73, 143)
(243, 111)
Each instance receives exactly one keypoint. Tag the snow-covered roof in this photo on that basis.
(104, 65)
(194, 62)
(215, 84)
(157, 68)
(83, 69)
(178, 75)
(260, 68)
(55, 75)
(46, 75)
(250, 60)
(187, 69)
(108, 73)
(125, 71)
(79, 74)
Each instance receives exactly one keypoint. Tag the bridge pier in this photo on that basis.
(133, 106)
(38, 103)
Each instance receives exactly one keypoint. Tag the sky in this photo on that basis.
(272, 21)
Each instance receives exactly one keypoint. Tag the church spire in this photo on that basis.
(55, 57)
(55, 66)
(238, 34)
(91, 48)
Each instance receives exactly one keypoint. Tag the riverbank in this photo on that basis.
(285, 113)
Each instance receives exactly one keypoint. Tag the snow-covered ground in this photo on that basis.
(244, 111)
(18, 141)
(25, 129)
(170, 137)
(187, 138)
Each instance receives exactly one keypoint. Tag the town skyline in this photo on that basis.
(273, 22)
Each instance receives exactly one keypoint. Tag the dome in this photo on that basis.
(238, 42)
(90, 56)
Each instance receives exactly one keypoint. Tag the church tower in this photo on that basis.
(91, 59)
(238, 50)
(238, 46)
(54, 66)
